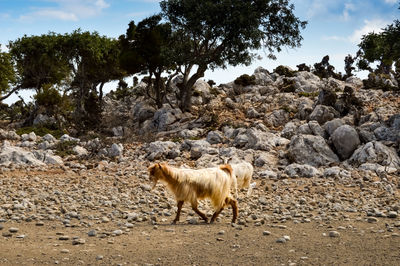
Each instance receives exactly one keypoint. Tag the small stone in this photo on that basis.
(392, 214)
(222, 232)
(79, 241)
(64, 251)
(1, 227)
(39, 224)
(13, 229)
(21, 236)
(169, 230)
(266, 233)
(64, 238)
(372, 220)
(92, 233)
(334, 234)
(220, 239)
(287, 238)
(6, 234)
(99, 257)
(117, 232)
(129, 225)
(281, 240)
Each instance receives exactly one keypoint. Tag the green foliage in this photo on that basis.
(145, 49)
(288, 85)
(245, 80)
(7, 73)
(382, 48)
(52, 103)
(41, 131)
(284, 71)
(325, 70)
(65, 148)
(39, 60)
(308, 94)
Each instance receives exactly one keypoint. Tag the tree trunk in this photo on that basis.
(187, 89)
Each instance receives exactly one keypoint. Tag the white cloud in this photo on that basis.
(348, 7)
(391, 1)
(71, 10)
(375, 25)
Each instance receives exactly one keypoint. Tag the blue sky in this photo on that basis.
(334, 26)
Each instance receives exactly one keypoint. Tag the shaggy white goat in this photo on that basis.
(243, 172)
(192, 185)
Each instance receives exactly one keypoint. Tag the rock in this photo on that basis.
(49, 138)
(80, 151)
(375, 152)
(334, 234)
(118, 131)
(29, 137)
(298, 170)
(214, 137)
(115, 150)
(165, 117)
(13, 229)
(92, 233)
(281, 240)
(392, 214)
(117, 232)
(332, 125)
(327, 97)
(79, 241)
(10, 155)
(277, 118)
(266, 233)
(42, 119)
(305, 108)
(159, 149)
(311, 150)
(66, 137)
(323, 113)
(289, 130)
(346, 140)
(9, 135)
(336, 172)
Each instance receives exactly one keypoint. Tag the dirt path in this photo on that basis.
(359, 243)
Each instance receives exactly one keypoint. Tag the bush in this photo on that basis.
(245, 80)
(65, 148)
(40, 131)
(284, 71)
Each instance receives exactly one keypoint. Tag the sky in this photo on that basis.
(335, 27)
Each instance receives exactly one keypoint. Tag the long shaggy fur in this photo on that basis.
(243, 172)
(190, 185)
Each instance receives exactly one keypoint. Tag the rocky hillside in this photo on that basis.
(291, 127)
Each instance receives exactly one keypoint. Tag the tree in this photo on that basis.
(39, 60)
(217, 33)
(93, 61)
(382, 48)
(144, 49)
(7, 75)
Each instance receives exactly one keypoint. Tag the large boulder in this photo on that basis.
(323, 113)
(346, 140)
(375, 152)
(301, 170)
(311, 150)
(165, 117)
(159, 149)
(332, 125)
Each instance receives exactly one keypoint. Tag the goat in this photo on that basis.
(243, 172)
(192, 185)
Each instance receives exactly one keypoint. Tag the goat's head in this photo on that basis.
(155, 172)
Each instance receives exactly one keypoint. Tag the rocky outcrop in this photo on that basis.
(311, 150)
(346, 140)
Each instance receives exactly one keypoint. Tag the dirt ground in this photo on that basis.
(359, 243)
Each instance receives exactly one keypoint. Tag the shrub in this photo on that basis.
(284, 71)
(41, 131)
(64, 148)
(245, 80)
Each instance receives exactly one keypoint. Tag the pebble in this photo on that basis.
(266, 233)
(64, 251)
(117, 232)
(39, 223)
(99, 257)
(281, 240)
(222, 232)
(64, 238)
(1, 227)
(21, 236)
(79, 241)
(6, 234)
(372, 220)
(13, 229)
(92, 233)
(392, 214)
(334, 234)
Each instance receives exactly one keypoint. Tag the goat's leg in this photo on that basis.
(235, 211)
(215, 215)
(202, 215)
(178, 213)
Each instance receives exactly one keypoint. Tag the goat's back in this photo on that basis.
(243, 172)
